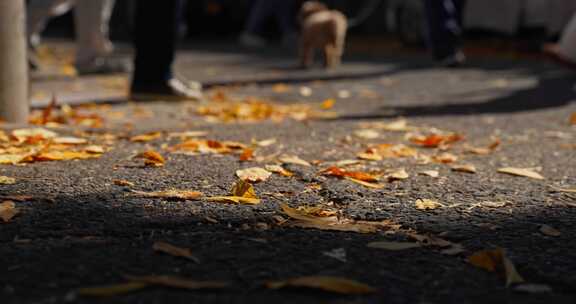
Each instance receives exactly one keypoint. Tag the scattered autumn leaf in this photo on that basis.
(174, 251)
(427, 204)
(7, 211)
(367, 134)
(171, 194)
(431, 173)
(5, 180)
(69, 141)
(549, 231)
(177, 282)
(328, 104)
(242, 193)
(484, 151)
(445, 158)
(357, 175)
(111, 290)
(247, 154)
(326, 283)
(152, 158)
(280, 88)
(381, 151)
(497, 261)
(436, 140)
(396, 175)
(573, 119)
(364, 183)
(122, 182)
(146, 137)
(279, 169)
(253, 175)
(394, 246)
(521, 172)
(467, 168)
(295, 160)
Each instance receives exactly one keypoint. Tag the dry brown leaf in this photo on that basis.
(8, 211)
(367, 134)
(496, 261)
(365, 184)
(549, 231)
(396, 175)
(266, 142)
(152, 158)
(23, 134)
(427, 204)
(295, 160)
(394, 246)
(280, 88)
(445, 158)
(171, 194)
(573, 119)
(326, 283)
(146, 137)
(94, 149)
(357, 175)
(5, 180)
(279, 169)
(520, 172)
(122, 182)
(177, 282)
(436, 140)
(187, 134)
(484, 151)
(400, 125)
(69, 141)
(111, 290)
(467, 168)
(253, 175)
(174, 251)
(567, 190)
(234, 200)
(431, 173)
(247, 154)
(242, 193)
(243, 189)
(59, 155)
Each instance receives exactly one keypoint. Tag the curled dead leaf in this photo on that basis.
(146, 137)
(326, 283)
(497, 261)
(467, 168)
(427, 204)
(253, 175)
(397, 175)
(295, 160)
(431, 173)
(8, 211)
(279, 169)
(520, 172)
(152, 158)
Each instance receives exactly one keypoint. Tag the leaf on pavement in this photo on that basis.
(123, 182)
(381, 151)
(365, 184)
(367, 134)
(431, 173)
(357, 175)
(242, 193)
(146, 137)
(174, 251)
(111, 290)
(445, 158)
(436, 140)
(177, 282)
(496, 261)
(328, 104)
(60, 155)
(23, 134)
(152, 158)
(427, 204)
(8, 211)
(394, 246)
(253, 175)
(467, 168)
(172, 194)
(5, 180)
(397, 175)
(549, 231)
(69, 140)
(295, 160)
(326, 283)
(521, 172)
(247, 154)
(279, 169)
(316, 220)
(567, 190)
(573, 119)
(484, 150)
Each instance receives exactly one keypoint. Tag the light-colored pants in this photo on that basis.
(91, 19)
(567, 42)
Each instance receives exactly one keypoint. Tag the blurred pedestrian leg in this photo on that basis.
(564, 52)
(155, 40)
(91, 18)
(445, 31)
(283, 13)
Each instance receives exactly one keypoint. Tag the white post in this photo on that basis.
(14, 103)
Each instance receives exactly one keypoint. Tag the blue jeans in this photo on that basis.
(444, 18)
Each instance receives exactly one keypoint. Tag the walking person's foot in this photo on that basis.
(553, 52)
(172, 90)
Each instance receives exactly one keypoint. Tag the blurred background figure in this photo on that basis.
(564, 52)
(94, 49)
(156, 36)
(284, 13)
(444, 19)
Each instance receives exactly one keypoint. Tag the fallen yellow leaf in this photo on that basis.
(496, 261)
(174, 251)
(8, 211)
(431, 173)
(427, 204)
(242, 188)
(152, 158)
(396, 175)
(253, 175)
(573, 119)
(171, 194)
(367, 134)
(279, 169)
(5, 180)
(146, 137)
(521, 172)
(292, 159)
(122, 182)
(326, 283)
(464, 168)
(177, 282)
(328, 104)
(365, 184)
(234, 199)
(69, 140)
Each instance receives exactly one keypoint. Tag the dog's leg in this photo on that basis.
(329, 54)
(306, 55)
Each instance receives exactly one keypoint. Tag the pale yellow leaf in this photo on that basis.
(234, 199)
(22, 134)
(171, 194)
(431, 173)
(5, 180)
(367, 134)
(427, 204)
(243, 189)
(11, 159)
(365, 184)
(521, 172)
(69, 140)
(396, 175)
(253, 175)
(292, 159)
(279, 169)
(326, 283)
(467, 168)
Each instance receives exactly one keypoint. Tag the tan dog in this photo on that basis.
(322, 29)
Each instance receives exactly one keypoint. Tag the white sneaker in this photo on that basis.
(251, 41)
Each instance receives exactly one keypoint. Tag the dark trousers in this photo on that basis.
(262, 10)
(155, 41)
(444, 19)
